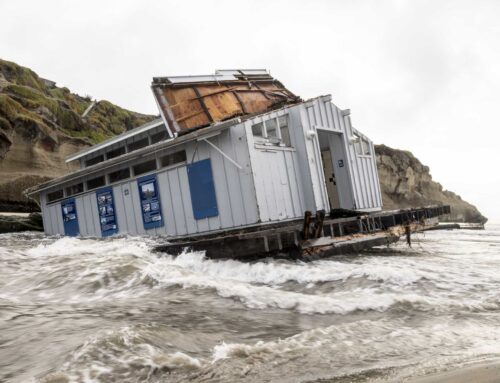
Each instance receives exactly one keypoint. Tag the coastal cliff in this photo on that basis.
(406, 182)
(42, 124)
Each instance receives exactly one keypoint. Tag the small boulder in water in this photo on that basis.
(17, 223)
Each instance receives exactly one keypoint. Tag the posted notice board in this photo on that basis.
(107, 212)
(150, 202)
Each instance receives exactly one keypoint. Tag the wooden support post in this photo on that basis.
(341, 230)
(318, 225)
(307, 223)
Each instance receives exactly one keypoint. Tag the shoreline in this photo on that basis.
(482, 372)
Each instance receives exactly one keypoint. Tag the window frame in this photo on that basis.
(143, 163)
(93, 179)
(164, 155)
(69, 192)
(49, 201)
(108, 175)
(265, 139)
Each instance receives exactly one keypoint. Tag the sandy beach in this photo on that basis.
(478, 373)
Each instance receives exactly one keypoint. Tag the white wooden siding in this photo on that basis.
(274, 183)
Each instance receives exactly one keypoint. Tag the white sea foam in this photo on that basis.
(373, 339)
(115, 355)
(275, 273)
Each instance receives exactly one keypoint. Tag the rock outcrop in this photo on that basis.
(406, 182)
(41, 124)
(15, 224)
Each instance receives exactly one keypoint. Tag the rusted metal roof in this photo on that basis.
(192, 102)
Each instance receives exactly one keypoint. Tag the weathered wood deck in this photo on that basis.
(311, 238)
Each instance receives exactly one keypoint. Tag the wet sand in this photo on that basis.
(479, 373)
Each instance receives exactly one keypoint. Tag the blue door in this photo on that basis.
(150, 202)
(70, 217)
(201, 186)
(107, 212)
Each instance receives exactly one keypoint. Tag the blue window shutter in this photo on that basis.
(201, 186)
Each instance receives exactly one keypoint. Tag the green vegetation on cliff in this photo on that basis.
(41, 124)
(27, 98)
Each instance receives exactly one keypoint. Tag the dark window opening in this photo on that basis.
(119, 175)
(173, 158)
(138, 144)
(55, 195)
(257, 129)
(74, 189)
(145, 167)
(96, 182)
(94, 160)
(157, 137)
(115, 153)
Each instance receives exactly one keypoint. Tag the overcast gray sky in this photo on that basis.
(417, 75)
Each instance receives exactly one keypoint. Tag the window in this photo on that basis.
(115, 153)
(145, 167)
(157, 137)
(285, 133)
(94, 160)
(173, 158)
(96, 182)
(357, 143)
(366, 147)
(55, 195)
(271, 131)
(119, 175)
(74, 189)
(257, 130)
(138, 144)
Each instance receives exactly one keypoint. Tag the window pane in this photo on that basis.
(58, 194)
(157, 137)
(119, 175)
(115, 153)
(145, 167)
(94, 160)
(357, 144)
(271, 126)
(96, 182)
(257, 129)
(173, 158)
(74, 189)
(138, 144)
(366, 148)
(285, 133)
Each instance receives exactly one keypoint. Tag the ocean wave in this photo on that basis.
(276, 273)
(120, 355)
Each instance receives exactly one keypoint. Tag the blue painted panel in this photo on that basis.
(70, 217)
(150, 202)
(107, 211)
(201, 186)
